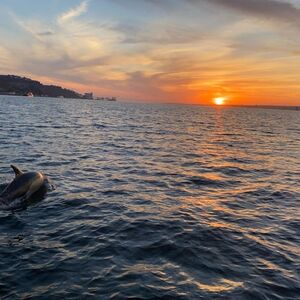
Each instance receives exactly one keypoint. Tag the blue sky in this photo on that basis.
(173, 50)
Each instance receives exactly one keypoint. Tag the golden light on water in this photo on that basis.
(219, 100)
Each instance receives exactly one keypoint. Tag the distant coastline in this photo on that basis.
(13, 85)
(282, 107)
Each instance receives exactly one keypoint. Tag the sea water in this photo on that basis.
(151, 201)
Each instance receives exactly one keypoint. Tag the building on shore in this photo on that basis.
(89, 96)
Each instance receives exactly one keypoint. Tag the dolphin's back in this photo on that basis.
(19, 186)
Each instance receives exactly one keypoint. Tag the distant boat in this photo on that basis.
(29, 94)
(106, 98)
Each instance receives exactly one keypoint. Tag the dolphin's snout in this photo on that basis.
(49, 184)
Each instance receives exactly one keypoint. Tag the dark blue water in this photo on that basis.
(151, 201)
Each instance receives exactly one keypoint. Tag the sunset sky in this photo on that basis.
(189, 51)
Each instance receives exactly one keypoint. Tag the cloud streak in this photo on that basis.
(276, 11)
(73, 13)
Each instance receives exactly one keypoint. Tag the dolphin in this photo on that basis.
(23, 187)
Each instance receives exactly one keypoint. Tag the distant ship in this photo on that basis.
(106, 98)
(29, 94)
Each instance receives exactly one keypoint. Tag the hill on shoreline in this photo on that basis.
(20, 86)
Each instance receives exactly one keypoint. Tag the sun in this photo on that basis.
(219, 100)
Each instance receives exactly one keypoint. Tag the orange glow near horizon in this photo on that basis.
(80, 45)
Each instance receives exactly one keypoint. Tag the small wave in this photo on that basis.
(208, 182)
(100, 126)
(116, 192)
(232, 171)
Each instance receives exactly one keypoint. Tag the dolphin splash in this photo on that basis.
(24, 187)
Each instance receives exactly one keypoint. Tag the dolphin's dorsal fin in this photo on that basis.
(17, 171)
